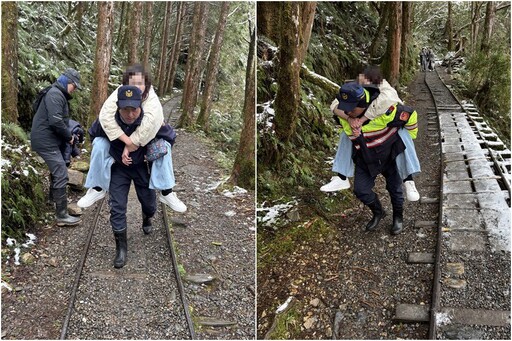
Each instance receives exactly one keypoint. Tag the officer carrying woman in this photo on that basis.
(129, 167)
(375, 150)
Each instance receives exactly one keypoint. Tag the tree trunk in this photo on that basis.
(10, 62)
(475, 16)
(318, 80)
(213, 69)
(405, 55)
(383, 21)
(147, 35)
(307, 16)
(490, 15)
(134, 32)
(268, 20)
(102, 58)
(288, 94)
(119, 35)
(160, 76)
(448, 27)
(243, 173)
(80, 10)
(176, 46)
(192, 81)
(391, 63)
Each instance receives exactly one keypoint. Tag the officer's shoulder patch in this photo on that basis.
(404, 116)
(391, 109)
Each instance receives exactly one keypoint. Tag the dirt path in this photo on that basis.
(214, 237)
(347, 282)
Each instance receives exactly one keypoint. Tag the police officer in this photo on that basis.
(375, 150)
(50, 131)
(129, 167)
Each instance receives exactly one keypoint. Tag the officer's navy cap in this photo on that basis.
(349, 95)
(129, 96)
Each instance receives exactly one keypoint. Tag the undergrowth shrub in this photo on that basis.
(23, 196)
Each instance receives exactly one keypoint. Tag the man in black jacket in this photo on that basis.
(129, 167)
(49, 132)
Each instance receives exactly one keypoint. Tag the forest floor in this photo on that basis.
(215, 237)
(345, 283)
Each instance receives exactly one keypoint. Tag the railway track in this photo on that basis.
(103, 303)
(471, 289)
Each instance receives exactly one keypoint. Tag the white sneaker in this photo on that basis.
(91, 197)
(336, 184)
(172, 201)
(412, 192)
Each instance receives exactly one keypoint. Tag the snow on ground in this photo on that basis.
(273, 213)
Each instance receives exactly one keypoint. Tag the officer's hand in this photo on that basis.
(72, 139)
(125, 157)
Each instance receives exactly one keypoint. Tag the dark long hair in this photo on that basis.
(134, 69)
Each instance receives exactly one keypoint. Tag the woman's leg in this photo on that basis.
(408, 165)
(98, 177)
(162, 178)
(343, 165)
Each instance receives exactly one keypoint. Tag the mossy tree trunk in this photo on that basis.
(148, 36)
(448, 28)
(134, 33)
(490, 15)
(244, 167)
(267, 16)
(288, 94)
(9, 62)
(176, 47)
(192, 81)
(307, 16)
(102, 58)
(391, 63)
(383, 22)
(213, 69)
(160, 75)
(407, 16)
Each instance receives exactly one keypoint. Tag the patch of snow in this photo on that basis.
(236, 192)
(230, 213)
(10, 241)
(283, 306)
(25, 172)
(17, 256)
(30, 241)
(274, 212)
(443, 318)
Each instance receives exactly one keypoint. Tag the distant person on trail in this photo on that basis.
(375, 150)
(343, 165)
(50, 131)
(127, 167)
(430, 60)
(162, 173)
(423, 59)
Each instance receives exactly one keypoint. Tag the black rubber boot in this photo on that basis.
(121, 248)
(147, 227)
(398, 220)
(378, 214)
(61, 209)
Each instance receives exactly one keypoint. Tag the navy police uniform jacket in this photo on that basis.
(166, 132)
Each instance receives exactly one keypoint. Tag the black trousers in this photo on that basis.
(364, 183)
(120, 181)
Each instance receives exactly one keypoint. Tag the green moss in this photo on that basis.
(287, 325)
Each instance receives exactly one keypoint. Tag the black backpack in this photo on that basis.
(39, 98)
